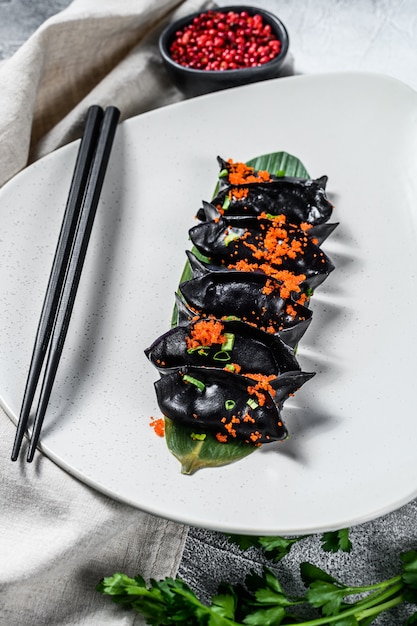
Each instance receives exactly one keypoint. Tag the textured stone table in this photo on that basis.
(20, 18)
(325, 36)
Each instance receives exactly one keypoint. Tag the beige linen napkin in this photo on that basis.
(57, 536)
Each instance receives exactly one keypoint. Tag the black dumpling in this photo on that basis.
(221, 407)
(290, 336)
(255, 351)
(226, 241)
(299, 199)
(241, 294)
(217, 401)
(208, 212)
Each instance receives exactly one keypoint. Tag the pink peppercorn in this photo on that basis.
(224, 41)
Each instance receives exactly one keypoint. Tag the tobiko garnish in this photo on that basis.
(229, 40)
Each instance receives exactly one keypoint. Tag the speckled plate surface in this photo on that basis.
(351, 455)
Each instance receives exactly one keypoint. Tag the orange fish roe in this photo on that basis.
(238, 193)
(288, 282)
(240, 173)
(255, 436)
(262, 385)
(233, 367)
(229, 426)
(205, 333)
(278, 242)
(270, 287)
(303, 299)
(270, 249)
(158, 426)
(222, 438)
(243, 266)
(291, 311)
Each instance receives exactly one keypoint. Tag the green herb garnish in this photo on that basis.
(231, 236)
(222, 355)
(264, 602)
(194, 381)
(337, 540)
(198, 436)
(226, 203)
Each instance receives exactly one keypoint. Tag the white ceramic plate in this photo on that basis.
(351, 456)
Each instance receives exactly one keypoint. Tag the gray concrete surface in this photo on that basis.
(20, 18)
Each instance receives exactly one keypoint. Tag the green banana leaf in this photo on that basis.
(282, 162)
(195, 453)
(193, 450)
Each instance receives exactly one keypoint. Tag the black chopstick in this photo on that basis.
(91, 165)
(59, 265)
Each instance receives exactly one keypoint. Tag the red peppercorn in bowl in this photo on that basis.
(225, 47)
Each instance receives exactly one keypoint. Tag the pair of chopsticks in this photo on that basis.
(85, 189)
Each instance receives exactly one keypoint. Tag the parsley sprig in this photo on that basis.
(276, 547)
(262, 601)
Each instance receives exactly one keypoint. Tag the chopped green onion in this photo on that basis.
(229, 343)
(194, 381)
(252, 403)
(198, 436)
(230, 367)
(203, 351)
(280, 173)
(230, 404)
(226, 203)
(224, 172)
(222, 355)
(231, 236)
